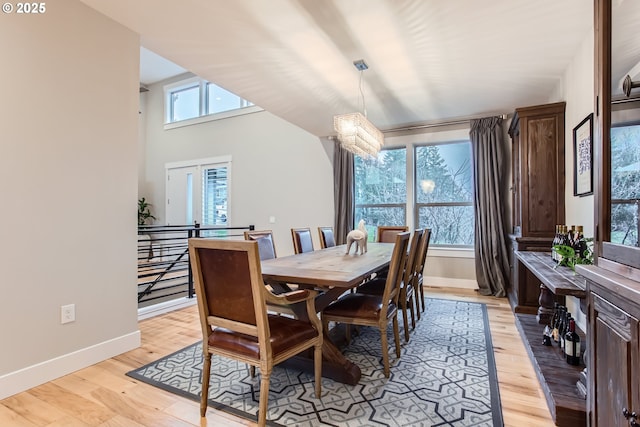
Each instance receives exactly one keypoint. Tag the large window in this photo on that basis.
(625, 184)
(381, 189)
(440, 183)
(444, 192)
(195, 97)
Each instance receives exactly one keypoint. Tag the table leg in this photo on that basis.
(545, 310)
(334, 364)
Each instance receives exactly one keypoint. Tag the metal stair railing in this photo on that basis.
(164, 271)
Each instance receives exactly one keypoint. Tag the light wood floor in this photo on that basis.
(102, 395)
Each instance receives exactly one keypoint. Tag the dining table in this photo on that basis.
(332, 272)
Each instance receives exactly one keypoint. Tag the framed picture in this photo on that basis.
(583, 157)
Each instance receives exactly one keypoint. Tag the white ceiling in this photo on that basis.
(155, 68)
(429, 60)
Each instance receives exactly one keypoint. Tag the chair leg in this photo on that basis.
(413, 312)
(396, 335)
(416, 292)
(385, 351)
(317, 362)
(252, 371)
(405, 320)
(347, 333)
(264, 398)
(206, 373)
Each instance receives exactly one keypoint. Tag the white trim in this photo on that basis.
(34, 375)
(211, 117)
(165, 307)
(444, 252)
(198, 162)
(448, 282)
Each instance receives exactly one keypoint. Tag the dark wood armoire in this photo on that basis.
(537, 142)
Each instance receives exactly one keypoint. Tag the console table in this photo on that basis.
(557, 378)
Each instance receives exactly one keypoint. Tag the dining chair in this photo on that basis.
(375, 310)
(407, 299)
(326, 237)
(418, 278)
(302, 241)
(232, 302)
(387, 233)
(266, 246)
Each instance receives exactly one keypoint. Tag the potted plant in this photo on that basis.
(144, 211)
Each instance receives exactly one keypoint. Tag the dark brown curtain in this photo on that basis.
(343, 193)
(492, 259)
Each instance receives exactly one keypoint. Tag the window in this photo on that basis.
(381, 189)
(220, 100)
(625, 184)
(437, 193)
(195, 97)
(214, 195)
(444, 192)
(185, 103)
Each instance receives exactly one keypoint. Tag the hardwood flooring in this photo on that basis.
(101, 395)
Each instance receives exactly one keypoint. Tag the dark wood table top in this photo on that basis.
(330, 267)
(558, 279)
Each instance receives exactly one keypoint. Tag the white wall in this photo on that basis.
(577, 89)
(68, 120)
(278, 169)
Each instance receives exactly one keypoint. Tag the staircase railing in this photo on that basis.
(164, 271)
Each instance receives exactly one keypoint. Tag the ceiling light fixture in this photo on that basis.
(355, 132)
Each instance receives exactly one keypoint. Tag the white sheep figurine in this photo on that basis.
(359, 236)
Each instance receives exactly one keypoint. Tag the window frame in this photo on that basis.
(410, 207)
(417, 205)
(246, 107)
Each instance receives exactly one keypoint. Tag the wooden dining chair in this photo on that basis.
(302, 241)
(326, 237)
(375, 310)
(387, 233)
(266, 246)
(235, 324)
(418, 278)
(407, 300)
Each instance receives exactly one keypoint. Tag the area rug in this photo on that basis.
(446, 376)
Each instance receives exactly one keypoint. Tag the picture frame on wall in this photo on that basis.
(583, 157)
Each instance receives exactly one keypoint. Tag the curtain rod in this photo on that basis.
(432, 125)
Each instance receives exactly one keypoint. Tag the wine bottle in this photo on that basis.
(564, 330)
(558, 325)
(556, 240)
(564, 326)
(572, 344)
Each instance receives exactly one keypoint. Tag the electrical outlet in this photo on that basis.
(67, 313)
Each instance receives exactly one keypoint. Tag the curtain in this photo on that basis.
(492, 258)
(343, 193)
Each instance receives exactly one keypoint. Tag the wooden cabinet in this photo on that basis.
(613, 358)
(537, 143)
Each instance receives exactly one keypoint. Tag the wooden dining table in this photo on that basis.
(332, 272)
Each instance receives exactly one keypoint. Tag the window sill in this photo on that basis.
(444, 252)
(213, 117)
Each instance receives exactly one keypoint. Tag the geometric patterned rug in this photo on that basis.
(446, 376)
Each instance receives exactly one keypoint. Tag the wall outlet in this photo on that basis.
(67, 313)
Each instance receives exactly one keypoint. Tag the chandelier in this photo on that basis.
(355, 132)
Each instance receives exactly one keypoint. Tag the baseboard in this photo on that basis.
(165, 307)
(448, 282)
(40, 373)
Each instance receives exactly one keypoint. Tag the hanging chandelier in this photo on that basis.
(355, 132)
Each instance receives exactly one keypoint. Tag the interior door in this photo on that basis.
(182, 194)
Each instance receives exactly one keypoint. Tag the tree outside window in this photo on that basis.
(444, 192)
(381, 189)
(625, 184)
